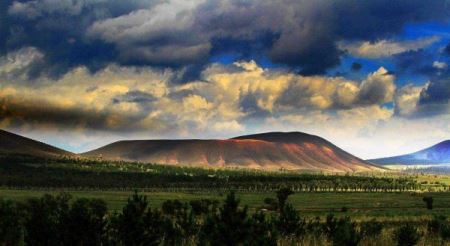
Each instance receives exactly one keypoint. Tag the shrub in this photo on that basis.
(429, 202)
(439, 226)
(372, 228)
(271, 204)
(406, 235)
(329, 228)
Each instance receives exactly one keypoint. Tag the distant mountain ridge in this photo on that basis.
(274, 150)
(11, 143)
(436, 154)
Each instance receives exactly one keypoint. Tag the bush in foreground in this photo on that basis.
(406, 235)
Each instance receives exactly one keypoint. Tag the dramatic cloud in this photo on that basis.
(427, 101)
(435, 98)
(378, 88)
(417, 62)
(132, 99)
(343, 69)
(303, 35)
(406, 100)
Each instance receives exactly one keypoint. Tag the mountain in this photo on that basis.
(11, 143)
(436, 154)
(270, 151)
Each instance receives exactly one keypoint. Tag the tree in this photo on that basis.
(203, 206)
(138, 224)
(171, 207)
(182, 227)
(341, 232)
(230, 226)
(282, 196)
(346, 233)
(85, 223)
(262, 230)
(11, 229)
(429, 202)
(43, 219)
(290, 224)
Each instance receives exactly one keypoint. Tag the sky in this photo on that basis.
(372, 77)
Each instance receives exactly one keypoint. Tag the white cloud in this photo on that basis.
(377, 88)
(15, 65)
(407, 98)
(439, 65)
(385, 48)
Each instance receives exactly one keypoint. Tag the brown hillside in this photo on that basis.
(11, 143)
(270, 151)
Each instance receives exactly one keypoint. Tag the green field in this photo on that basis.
(362, 206)
(390, 196)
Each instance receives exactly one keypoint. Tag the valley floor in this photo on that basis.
(361, 206)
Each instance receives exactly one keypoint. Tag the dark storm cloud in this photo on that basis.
(57, 28)
(415, 62)
(18, 112)
(436, 92)
(299, 34)
(433, 99)
(41, 113)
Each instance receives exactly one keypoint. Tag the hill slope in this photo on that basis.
(11, 143)
(271, 151)
(436, 154)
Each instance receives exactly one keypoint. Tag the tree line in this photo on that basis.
(61, 220)
(28, 172)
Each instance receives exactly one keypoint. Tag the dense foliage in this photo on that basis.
(61, 220)
(24, 172)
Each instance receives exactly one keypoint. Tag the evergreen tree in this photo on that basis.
(11, 229)
(43, 220)
(282, 196)
(230, 226)
(138, 224)
(290, 224)
(85, 223)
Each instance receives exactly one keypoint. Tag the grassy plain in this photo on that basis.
(360, 206)
(114, 182)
